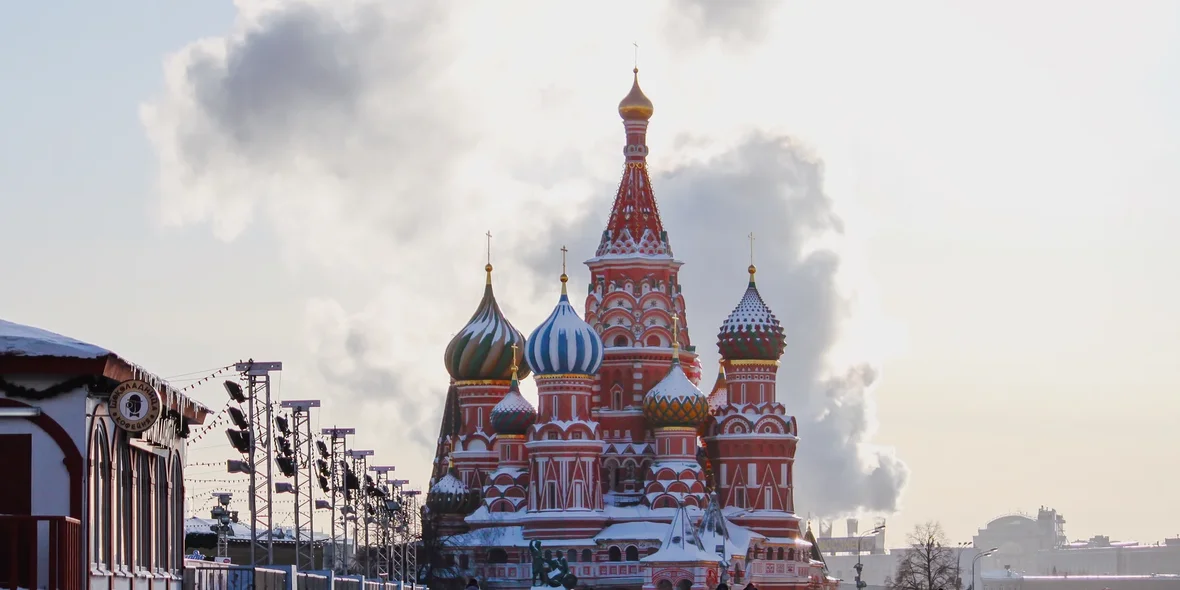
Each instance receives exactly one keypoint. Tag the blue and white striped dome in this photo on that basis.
(564, 344)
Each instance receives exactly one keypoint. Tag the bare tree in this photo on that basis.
(929, 563)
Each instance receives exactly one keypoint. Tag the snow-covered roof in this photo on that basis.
(449, 484)
(681, 543)
(21, 340)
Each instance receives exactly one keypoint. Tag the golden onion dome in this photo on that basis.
(636, 106)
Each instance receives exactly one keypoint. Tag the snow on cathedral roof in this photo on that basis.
(751, 332)
(681, 543)
(21, 340)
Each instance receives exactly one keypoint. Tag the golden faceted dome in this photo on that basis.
(635, 106)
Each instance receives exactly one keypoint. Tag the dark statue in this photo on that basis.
(551, 572)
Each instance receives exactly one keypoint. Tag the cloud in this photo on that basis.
(364, 138)
(740, 22)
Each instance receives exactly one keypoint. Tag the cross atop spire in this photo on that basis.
(636, 54)
(753, 269)
(488, 267)
(564, 278)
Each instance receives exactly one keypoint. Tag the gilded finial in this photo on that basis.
(675, 338)
(753, 269)
(515, 367)
(488, 267)
(564, 278)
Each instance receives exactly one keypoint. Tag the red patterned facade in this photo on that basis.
(625, 468)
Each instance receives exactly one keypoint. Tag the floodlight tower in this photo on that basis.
(359, 502)
(260, 451)
(304, 489)
(338, 446)
(381, 500)
(411, 537)
(394, 525)
(224, 517)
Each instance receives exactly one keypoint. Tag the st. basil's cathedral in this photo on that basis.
(626, 471)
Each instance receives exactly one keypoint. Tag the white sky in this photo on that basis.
(1007, 173)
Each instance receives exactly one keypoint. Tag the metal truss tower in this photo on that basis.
(411, 535)
(301, 441)
(257, 376)
(338, 446)
(381, 517)
(359, 506)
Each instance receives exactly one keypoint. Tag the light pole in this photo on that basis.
(860, 584)
(975, 559)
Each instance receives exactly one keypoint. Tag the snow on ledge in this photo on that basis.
(21, 340)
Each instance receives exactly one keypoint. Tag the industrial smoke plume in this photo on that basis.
(370, 146)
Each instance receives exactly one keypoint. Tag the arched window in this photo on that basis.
(683, 585)
(790, 554)
(143, 510)
(587, 556)
(176, 529)
(497, 556)
(653, 340)
(126, 518)
(613, 554)
(664, 585)
(620, 340)
(632, 553)
(160, 535)
(571, 556)
(100, 497)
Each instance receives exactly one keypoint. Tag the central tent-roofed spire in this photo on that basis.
(635, 227)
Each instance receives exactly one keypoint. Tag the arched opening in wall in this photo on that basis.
(497, 556)
(653, 340)
(614, 554)
(587, 556)
(616, 397)
(126, 492)
(632, 553)
(620, 341)
(177, 510)
(790, 554)
(665, 585)
(737, 573)
(571, 556)
(684, 585)
(100, 497)
(160, 536)
(143, 509)
(664, 502)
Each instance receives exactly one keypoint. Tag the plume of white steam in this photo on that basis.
(341, 124)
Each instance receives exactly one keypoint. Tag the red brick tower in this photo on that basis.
(751, 443)
(479, 359)
(633, 294)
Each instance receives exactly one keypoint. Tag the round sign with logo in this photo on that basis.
(134, 405)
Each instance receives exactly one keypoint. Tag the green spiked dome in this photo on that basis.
(482, 350)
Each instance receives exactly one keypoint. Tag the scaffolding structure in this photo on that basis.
(261, 455)
(381, 502)
(338, 446)
(304, 488)
(359, 511)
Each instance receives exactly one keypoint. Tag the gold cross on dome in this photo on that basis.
(751, 236)
(515, 346)
(489, 235)
(563, 252)
(636, 54)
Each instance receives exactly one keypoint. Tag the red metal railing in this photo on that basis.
(23, 542)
